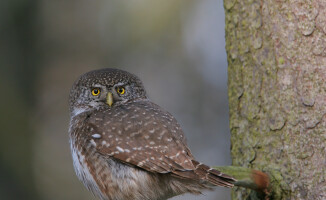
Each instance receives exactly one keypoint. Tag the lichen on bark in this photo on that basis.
(277, 92)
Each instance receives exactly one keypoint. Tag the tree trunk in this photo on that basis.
(277, 93)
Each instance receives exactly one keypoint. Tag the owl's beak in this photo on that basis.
(109, 99)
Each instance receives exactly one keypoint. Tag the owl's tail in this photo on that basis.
(213, 176)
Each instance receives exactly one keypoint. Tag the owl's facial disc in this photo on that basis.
(104, 88)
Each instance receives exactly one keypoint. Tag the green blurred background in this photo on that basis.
(175, 46)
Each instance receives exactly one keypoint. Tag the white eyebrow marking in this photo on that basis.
(96, 136)
(97, 85)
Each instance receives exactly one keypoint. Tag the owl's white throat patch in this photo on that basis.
(78, 111)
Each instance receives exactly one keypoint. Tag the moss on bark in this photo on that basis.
(277, 97)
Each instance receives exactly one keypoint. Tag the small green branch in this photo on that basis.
(265, 185)
(248, 178)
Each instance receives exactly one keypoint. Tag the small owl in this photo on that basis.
(125, 147)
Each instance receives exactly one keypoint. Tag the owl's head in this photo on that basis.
(104, 88)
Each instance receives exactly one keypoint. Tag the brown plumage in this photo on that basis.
(132, 149)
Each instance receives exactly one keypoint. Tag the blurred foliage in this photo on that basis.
(18, 72)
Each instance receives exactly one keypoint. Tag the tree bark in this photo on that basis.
(277, 93)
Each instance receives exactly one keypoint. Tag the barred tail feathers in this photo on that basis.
(213, 176)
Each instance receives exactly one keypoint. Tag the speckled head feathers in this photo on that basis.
(106, 79)
(108, 76)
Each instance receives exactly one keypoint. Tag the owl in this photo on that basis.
(125, 147)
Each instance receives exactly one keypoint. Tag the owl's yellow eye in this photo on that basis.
(96, 91)
(121, 90)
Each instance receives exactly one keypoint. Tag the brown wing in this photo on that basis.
(141, 134)
(144, 135)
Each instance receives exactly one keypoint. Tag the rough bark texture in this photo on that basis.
(277, 92)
